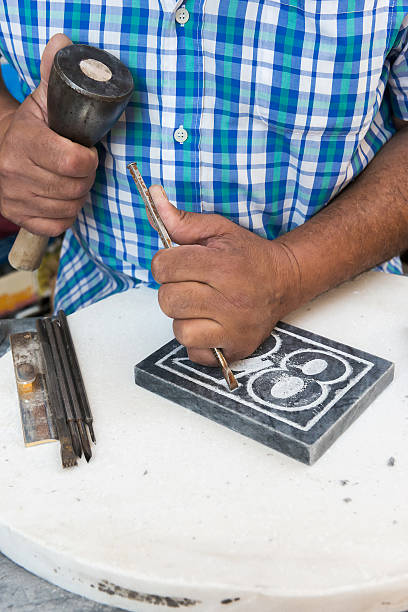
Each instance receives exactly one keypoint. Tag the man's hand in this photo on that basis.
(224, 287)
(44, 178)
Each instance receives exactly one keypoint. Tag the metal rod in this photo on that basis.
(68, 457)
(76, 409)
(66, 399)
(76, 371)
(150, 205)
(167, 243)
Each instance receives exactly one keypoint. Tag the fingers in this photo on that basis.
(203, 318)
(44, 184)
(46, 227)
(192, 305)
(39, 95)
(192, 300)
(199, 333)
(29, 141)
(204, 357)
(56, 42)
(185, 263)
(43, 207)
(43, 175)
(30, 192)
(47, 150)
(187, 227)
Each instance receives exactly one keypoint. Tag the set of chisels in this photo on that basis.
(69, 402)
(51, 391)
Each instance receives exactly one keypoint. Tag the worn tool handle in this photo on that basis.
(88, 89)
(27, 250)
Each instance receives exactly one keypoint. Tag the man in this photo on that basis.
(256, 113)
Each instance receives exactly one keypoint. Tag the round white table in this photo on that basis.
(177, 511)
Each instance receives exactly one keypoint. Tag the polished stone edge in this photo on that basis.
(223, 415)
(348, 417)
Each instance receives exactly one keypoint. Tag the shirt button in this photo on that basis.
(182, 15)
(180, 135)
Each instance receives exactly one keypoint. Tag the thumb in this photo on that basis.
(187, 227)
(57, 42)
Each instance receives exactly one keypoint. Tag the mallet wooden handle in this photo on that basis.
(88, 90)
(27, 250)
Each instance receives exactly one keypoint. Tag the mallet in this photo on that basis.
(88, 90)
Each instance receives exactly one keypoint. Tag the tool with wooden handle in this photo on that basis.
(88, 90)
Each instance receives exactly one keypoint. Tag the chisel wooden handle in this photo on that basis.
(88, 90)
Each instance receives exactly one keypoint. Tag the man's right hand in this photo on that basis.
(44, 178)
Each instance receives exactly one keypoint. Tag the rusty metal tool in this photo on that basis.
(76, 372)
(55, 401)
(167, 243)
(36, 417)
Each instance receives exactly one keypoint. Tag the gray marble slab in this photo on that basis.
(297, 393)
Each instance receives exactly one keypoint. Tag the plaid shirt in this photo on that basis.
(283, 102)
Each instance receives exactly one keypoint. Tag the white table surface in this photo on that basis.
(174, 505)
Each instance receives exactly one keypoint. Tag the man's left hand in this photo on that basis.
(224, 286)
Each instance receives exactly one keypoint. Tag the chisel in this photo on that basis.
(167, 243)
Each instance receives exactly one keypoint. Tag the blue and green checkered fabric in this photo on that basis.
(284, 103)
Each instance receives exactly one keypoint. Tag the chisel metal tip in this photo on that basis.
(76, 444)
(67, 452)
(91, 432)
(86, 447)
(226, 370)
(230, 378)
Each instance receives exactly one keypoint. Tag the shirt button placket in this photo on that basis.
(182, 15)
(180, 135)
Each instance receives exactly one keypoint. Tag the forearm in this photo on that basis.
(364, 226)
(8, 105)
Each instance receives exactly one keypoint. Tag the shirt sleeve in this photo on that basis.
(398, 77)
